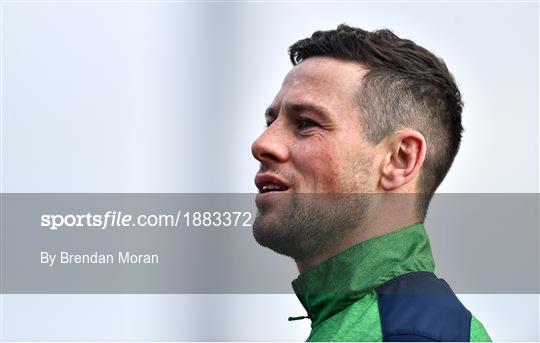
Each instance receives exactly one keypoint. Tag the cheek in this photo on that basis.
(320, 169)
(326, 169)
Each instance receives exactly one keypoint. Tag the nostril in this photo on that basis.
(268, 156)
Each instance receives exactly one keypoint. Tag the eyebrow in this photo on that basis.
(298, 107)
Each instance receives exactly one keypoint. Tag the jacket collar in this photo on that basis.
(343, 279)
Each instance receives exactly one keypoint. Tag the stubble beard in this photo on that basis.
(303, 226)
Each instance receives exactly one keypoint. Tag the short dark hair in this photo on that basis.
(406, 85)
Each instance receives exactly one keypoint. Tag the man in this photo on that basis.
(364, 129)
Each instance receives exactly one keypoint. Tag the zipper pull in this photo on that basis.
(298, 318)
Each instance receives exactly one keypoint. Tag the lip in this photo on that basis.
(264, 199)
(263, 179)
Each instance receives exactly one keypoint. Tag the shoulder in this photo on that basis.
(420, 307)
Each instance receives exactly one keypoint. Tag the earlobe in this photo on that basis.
(403, 161)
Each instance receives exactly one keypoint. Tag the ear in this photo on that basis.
(405, 156)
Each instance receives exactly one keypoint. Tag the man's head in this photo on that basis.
(360, 113)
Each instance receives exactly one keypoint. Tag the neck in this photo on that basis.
(396, 216)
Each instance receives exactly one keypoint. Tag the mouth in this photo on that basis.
(267, 183)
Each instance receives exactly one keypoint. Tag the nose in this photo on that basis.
(271, 146)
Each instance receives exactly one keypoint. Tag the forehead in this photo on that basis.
(322, 81)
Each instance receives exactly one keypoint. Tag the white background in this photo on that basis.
(167, 97)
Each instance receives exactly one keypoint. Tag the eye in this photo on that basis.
(305, 123)
(269, 122)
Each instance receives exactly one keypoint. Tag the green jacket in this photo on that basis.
(384, 289)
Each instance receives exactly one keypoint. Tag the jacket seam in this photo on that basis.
(400, 278)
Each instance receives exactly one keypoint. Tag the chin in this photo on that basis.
(269, 233)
